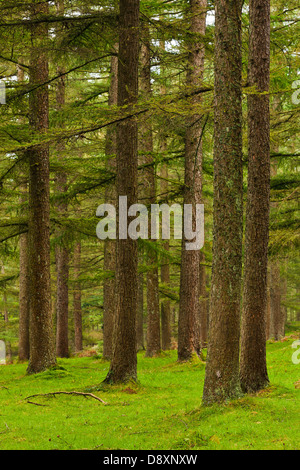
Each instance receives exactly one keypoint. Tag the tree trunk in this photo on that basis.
(203, 317)
(77, 310)
(42, 351)
(275, 295)
(61, 249)
(188, 322)
(253, 364)
(140, 314)
(109, 302)
(24, 296)
(124, 362)
(166, 331)
(283, 298)
(6, 322)
(153, 345)
(268, 310)
(277, 323)
(62, 301)
(222, 368)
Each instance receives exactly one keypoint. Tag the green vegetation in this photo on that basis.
(163, 411)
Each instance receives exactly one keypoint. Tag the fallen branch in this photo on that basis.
(33, 403)
(67, 393)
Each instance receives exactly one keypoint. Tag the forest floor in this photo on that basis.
(162, 412)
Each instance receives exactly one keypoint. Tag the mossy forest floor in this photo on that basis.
(162, 412)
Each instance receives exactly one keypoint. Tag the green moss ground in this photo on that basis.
(162, 412)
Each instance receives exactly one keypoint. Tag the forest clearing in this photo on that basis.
(149, 232)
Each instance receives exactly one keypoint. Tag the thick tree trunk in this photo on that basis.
(109, 303)
(124, 362)
(253, 364)
(188, 322)
(42, 352)
(222, 368)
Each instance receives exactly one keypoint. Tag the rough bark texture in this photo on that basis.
(268, 309)
(188, 322)
(222, 369)
(61, 249)
(283, 292)
(6, 321)
(24, 296)
(253, 365)
(277, 322)
(24, 312)
(109, 304)
(203, 316)
(124, 362)
(42, 353)
(166, 331)
(62, 301)
(153, 345)
(77, 310)
(277, 314)
(140, 314)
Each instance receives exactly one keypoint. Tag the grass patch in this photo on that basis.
(161, 412)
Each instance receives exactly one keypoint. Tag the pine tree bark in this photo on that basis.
(188, 321)
(275, 296)
(62, 249)
(124, 362)
(109, 304)
(166, 331)
(42, 351)
(275, 330)
(268, 309)
(203, 317)
(283, 300)
(24, 313)
(77, 310)
(140, 314)
(62, 301)
(153, 345)
(253, 364)
(24, 296)
(222, 368)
